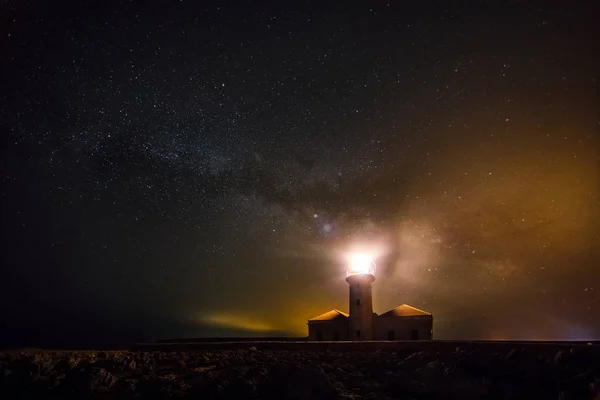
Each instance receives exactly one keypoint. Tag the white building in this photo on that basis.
(401, 323)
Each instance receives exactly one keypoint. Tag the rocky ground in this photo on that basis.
(460, 372)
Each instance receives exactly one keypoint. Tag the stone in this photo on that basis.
(346, 395)
(327, 368)
(102, 380)
(510, 354)
(558, 357)
(132, 364)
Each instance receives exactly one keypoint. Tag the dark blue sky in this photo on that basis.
(183, 169)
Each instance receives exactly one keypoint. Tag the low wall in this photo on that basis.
(425, 345)
(230, 339)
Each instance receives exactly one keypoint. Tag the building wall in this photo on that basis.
(404, 328)
(361, 306)
(328, 330)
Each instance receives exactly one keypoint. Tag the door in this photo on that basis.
(414, 334)
(391, 335)
(319, 336)
(336, 336)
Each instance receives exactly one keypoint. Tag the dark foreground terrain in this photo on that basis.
(252, 371)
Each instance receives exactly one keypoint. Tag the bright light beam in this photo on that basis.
(361, 263)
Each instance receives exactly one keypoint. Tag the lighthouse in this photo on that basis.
(361, 323)
(360, 276)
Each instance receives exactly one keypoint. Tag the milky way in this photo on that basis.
(165, 169)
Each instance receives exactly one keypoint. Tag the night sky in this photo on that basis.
(196, 169)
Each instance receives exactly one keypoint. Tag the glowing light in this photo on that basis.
(361, 263)
(236, 322)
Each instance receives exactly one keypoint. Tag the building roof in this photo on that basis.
(404, 310)
(330, 315)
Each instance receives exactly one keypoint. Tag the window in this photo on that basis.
(358, 333)
(358, 302)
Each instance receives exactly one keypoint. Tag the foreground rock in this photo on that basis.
(568, 373)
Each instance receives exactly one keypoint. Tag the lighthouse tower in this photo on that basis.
(360, 276)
